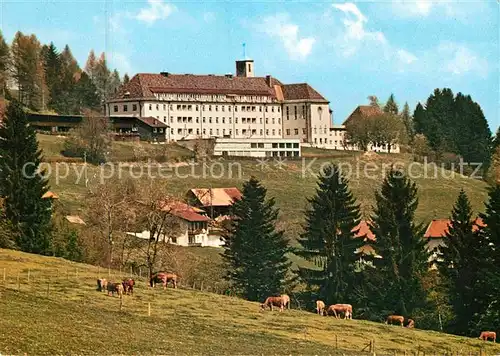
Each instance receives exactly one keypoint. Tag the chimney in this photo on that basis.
(165, 74)
(229, 75)
(268, 80)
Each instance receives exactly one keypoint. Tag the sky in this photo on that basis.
(345, 50)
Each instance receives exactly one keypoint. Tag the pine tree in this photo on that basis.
(101, 78)
(408, 122)
(490, 281)
(90, 66)
(86, 94)
(391, 107)
(4, 63)
(420, 120)
(458, 264)
(114, 83)
(126, 78)
(329, 239)
(400, 243)
(255, 252)
(496, 140)
(52, 65)
(22, 186)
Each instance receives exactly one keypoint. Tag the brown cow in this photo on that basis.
(391, 319)
(274, 301)
(346, 309)
(128, 285)
(320, 307)
(163, 278)
(485, 335)
(115, 288)
(102, 285)
(411, 323)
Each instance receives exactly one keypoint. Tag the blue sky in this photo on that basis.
(346, 50)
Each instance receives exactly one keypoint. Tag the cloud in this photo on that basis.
(444, 8)
(279, 26)
(157, 10)
(413, 8)
(355, 35)
(405, 56)
(121, 62)
(209, 17)
(458, 60)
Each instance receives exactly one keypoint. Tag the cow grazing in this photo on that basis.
(411, 324)
(102, 285)
(320, 307)
(392, 319)
(274, 301)
(128, 285)
(163, 278)
(286, 301)
(115, 288)
(337, 309)
(485, 335)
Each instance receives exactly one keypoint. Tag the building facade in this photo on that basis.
(226, 106)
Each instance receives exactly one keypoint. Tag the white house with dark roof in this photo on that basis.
(226, 106)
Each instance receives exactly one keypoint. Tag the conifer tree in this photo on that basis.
(22, 187)
(255, 252)
(329, 238)
(126, 78)
(52, 65)
(90, 65)
(408, 122)
(490, 281)
(458, 264)
(391, 107)
(400, 243)
(496, 140)
(4, 63)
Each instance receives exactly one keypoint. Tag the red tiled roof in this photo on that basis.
(185, 212)
(216, 196)
(439, 227)
(143, 85)
(152, 121)
(364, 231)
(363, 111)
(301, 91)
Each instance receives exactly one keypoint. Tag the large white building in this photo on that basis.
(227, 106)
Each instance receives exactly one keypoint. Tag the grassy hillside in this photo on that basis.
(72, 317)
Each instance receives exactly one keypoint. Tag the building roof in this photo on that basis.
(216, 196)
(185, 211)
(301, 91)
(50, 195)
(438, 228)
(146, 85)
(363, 111)
(152, 121)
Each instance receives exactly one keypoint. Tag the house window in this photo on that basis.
(197, 131)
(164, 107)
(274, 132)
(217, 132)
(222, 107)
(279, 132)
(260, 145)
(179, 131)
(216, 120)
(278, 109)
(235, 109)
(115, 108)
(273, 120)
(197, 120)
(228, 108)
(287, 113)
(216, 107)
(157, 107)
(315, 131)
(179, 107)
(304, 131)
(209, 107)
(261, 120)
(196, 107)
(260, 108)
(211, 131)
(229, 120)
(267, 131)
(223, 131)
(296, 131)
(253, 145)
(261, 132)
(203, 120)
(288, 132)
(223, 120)
(161, 130)
(254, 120)
(272, 108)
(267, 120)
(172, 131)
(235, 120)
(236, 131)
(204, 131)
(209, 120)
(242, 108)
(150, 107)
(134, 107)
(154, 129)
(171, 119)
(125, 107)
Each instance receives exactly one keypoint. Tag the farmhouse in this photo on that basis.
(216, 201)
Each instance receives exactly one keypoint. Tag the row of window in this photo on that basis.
(244, 120)
(276, 145)
(224, 131)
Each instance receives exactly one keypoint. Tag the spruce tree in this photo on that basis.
(458, 265)
(408, 122)
(255, 252)
(126, 78)
(391, 107)
(329, 238)
(400, 243)
(21, 185)
(4, 63)
(490, 281)
(496, 140)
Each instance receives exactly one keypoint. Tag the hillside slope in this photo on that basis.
(49, 305)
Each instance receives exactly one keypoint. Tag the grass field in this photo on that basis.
(58, 311)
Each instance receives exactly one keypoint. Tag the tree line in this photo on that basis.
(394, 278)
(444, 128)
(43, 78)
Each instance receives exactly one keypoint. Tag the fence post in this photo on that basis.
(149, 308)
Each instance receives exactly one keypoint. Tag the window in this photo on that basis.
(164, 119)
(197, 131)
(179, 119)
(171, 107)
(295, 145)
(179, 131)
(216, 107)
(272, 108)
(288, 132)
(184, 107)
(115, 108)
(253, 145)
(261, 132)
(222, 107)
(304, 131)
(134, 107)
(228, 108)
(320, 140)
(190, 107)
(164, 106)
(190, 131)
(171, 119)
(211, 132)
(229, 120)
(296, 131)
(204, 131)
(223, 131)
(261, 120)
(253, 108)
(230, 132)
(209, 107)
(279, 120)
(254, 132)
(236, 131)
(203, 120)
(216, 120)
(150, 107)
(223, 120)
(217, 132)
(274, 132)
(209, 120)
(172, 131)
(157, 107)
(278, 109)
(254, 120)
(282, 145)
(235, 120)
(273, 120)
(267, 131)
(260, 108)
(197, 120)
(196, 107)
(236, 108)
(288, 145)
(154, 129)
(275, 145)
(295, 111)
(279, 132)
(260, 145)
(287, 113)
(242, 108)
(315, 131)
(179, 107)
(244, 131)
(267, 120)
(266, 108)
